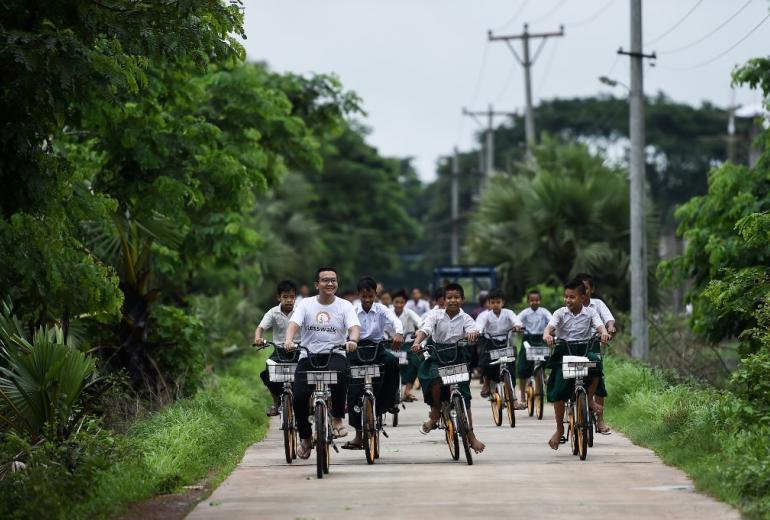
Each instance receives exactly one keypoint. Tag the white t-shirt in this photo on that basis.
(535, 321)
(495, 325)
(324, 326)
(278, 321)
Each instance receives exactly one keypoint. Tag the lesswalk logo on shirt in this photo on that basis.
(322, 318)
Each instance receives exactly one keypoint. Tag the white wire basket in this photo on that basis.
(573, 367)
(402, 359)
(280, 372)
(506, 353)
(322, 376)
(454, 374)
(365, 371)
(536, 352)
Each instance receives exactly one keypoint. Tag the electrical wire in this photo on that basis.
(480, 76)
(709, 34)
(591, 18)
(677, 24)
(547, 66)
(549, 13)
(721, 54)
(506, 83)
(514, 17)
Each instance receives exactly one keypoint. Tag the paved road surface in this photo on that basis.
(518, 475)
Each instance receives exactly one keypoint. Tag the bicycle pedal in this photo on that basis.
(385, 434)
(403, 406)
(336, 449)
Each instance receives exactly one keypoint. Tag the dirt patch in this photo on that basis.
(173, 506)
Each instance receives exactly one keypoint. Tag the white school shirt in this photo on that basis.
(277, 320)
(376, 321)
(324, 326)
(444, 329)
(602, 309)
(409, 319)
(495, 325)
(422, 307)
(575, 327)
(535, 321)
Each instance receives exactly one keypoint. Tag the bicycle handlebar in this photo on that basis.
(311, 354)
(462, 343)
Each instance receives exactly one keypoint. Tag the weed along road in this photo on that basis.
(518, 474)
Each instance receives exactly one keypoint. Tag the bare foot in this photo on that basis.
(602, 427)
(476, 444)
(304, 448)
(555, 439)
(596, 407)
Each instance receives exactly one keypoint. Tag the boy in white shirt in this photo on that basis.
(411, 322)
(375, 318)
(326, 321)
(417, 304)
(445, 327)
(277, 318)
(534, 320)
(571, 323)
(497, 322)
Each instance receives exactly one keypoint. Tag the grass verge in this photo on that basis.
(703, 431)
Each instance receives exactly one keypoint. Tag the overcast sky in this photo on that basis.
(416, 63)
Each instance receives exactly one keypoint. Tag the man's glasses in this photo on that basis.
(328, 281)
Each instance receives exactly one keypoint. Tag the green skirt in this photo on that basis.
(560, 389)
(428, 373)
(525, 368)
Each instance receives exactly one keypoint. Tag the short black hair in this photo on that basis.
(533, 291)
(366, 282)
(322, 269)
(454, 287)
(286, 286)
(400, 294)
(585, 277)
(576, 285)
(440, 292)
(483, 297)
(496, 294)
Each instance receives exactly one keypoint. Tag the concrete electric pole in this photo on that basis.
(489, 136)
(527, 63)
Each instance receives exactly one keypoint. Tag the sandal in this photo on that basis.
(339, 432)
(350, 445)
(520, 405)
(302, 451)
(485, 393)
(409, 398)
(272, 411)
(604, 431)
(426, 427)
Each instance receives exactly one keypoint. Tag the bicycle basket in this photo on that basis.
(402, 359)
(536, 352)
(454, 374)
(575, 366)
(364, 371)
(322, 376)
(281, 372)
(506, 352)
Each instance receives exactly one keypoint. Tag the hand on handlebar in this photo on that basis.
(472, 336)
(258, 342)
(548, 340)
(289, 346)
(351, 346)
(398, 340)
(605, 337)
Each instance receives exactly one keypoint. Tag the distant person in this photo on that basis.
(417, 304)
(439, 299)
(304, 292)
(386, 299)
(411, 322)
(499, 321)
(534, 320)
(483, 298)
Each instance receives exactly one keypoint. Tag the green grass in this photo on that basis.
(696, 429)
(193, 438)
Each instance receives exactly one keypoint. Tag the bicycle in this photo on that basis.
(536, 382)
(371, 421)
(403, 360)
(283, 372)
(503, 395)
(323, 436)
(453, 418)
(579, 419)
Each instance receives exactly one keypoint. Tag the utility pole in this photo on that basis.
(639, 345)
(455, 208)
(527, 63)
(731, 128)
(489, 135)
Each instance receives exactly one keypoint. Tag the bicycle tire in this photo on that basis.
(377, 437)
(464, 426)
(530, 398)
(540, 393)
(451, 437)
(591, 426)
(367, 425)
(320, 440)
(395, 419)
(287, 425)
(582, 424)
(572, 427)
(497, 408)
(510, 399)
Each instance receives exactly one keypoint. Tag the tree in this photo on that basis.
(565, 213)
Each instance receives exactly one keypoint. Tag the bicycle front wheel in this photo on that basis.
(530, 397)
(287, 425)
(451, 436)
(321, 447)
(496, 403)
(573, 427)
(510, 399)
(583, 424)
(463, 424)
(367, 424)
(539, 392)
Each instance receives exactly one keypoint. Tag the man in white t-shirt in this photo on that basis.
(326, 322)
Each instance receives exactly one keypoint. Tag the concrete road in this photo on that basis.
(517, 475)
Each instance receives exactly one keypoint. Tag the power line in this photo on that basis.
(481, 74)
(712, 32)
(506, 84)
(721, 54)
(514, 17)
(597, 14)
(677, 24)
(549, 13)
(548, 65)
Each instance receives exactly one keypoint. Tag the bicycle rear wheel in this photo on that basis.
(583, 424)
(451, 436)
(321, 448)
(287, 425)
(367, 424)
(539, 392)
(510, 399)
(530, 398)
(495, 402)
(572, 427)
(591, 426)
(463, 425)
